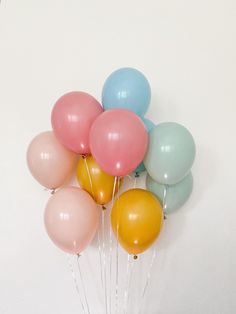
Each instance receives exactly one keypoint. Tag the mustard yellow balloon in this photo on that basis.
(136, 218)
(94, 180)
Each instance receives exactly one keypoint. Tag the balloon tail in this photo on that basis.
(129, 270)
(75, 282)
(82, 283)
(147, 279)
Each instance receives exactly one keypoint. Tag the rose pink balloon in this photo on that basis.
(50, 163)
(118, 141)
(72, 117)
(71, 219)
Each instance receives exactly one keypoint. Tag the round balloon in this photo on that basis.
(50, 163)
(95, 181)
(72, 117)
(149, 125)
(170, 154)
(118, 141)
(176, 194)
(136, 219)
(71, 219)
(127, 88)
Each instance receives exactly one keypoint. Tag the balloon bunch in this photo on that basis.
(113, 140)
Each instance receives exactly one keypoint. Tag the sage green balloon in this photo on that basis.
(176, 194)
(170, 154)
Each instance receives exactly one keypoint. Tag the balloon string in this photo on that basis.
(93, 194)
(82, 283)
(111, 244)
(148, 278)
(117, 258)
(129, 272)
(104, 260)
(153, 256)
(75, 282)
(89, 175)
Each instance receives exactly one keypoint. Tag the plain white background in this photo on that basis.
(187, 50)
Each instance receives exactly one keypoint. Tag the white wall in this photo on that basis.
(187, 50)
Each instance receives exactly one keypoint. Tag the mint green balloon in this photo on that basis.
(170, 154)
(176, 194)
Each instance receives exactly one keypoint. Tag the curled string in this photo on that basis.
(111, 244)
(153, 257)
(82, 283)
(75, 281)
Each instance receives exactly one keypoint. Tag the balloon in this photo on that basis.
(95, 181)
(118, 141)
(170, 154)
(137, 218)
(176, 194)
(72, 117)
(127, 88)
(149, 125)
(71, 219)
(50, 163)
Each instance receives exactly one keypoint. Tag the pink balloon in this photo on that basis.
(72, 117)
(50, 163)
(118, 141)
(71, 219)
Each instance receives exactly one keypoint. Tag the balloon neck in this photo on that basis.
(83, 156)
(52, 191)
(103, 207)
(135, 256)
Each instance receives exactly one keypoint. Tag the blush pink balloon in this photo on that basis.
(50, 163)
(72, 117)
(118, 141)
(71, 219)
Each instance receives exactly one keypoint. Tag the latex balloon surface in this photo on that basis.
(127, 88)
(71, 219)
(176, 194)
(95, 181)
(50, 163)
(137, 219)
(118, 141)
(72, 117)
(170, 153)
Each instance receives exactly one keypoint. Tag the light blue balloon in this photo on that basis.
(149, 125)
(127, 88)
(176, 195)
(170, 154)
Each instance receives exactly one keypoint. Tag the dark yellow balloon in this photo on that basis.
(95, 181)
(137, 218)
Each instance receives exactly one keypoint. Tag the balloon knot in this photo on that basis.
(165, 217)
(53, 191)
(137, 175)
(103, 207)
(135, 256)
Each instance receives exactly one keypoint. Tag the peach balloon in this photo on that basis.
(71, 219)
(50, 163)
